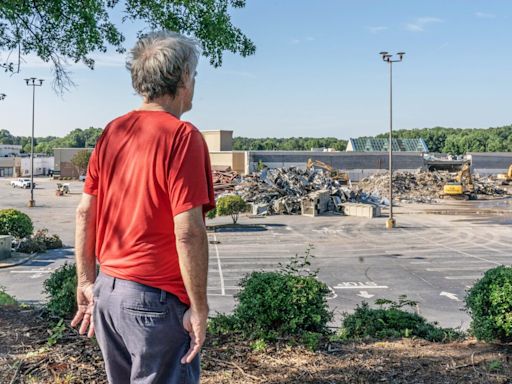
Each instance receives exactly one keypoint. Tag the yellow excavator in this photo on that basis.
(462, 187)
(335, 174)
(506, 178)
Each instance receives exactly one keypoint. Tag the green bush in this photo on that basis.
(15, 223)
(5, 298)
(392, 322)
(211, 214)
(489, 302)
(230, 205)
(61, 290)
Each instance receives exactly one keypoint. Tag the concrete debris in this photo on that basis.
(294, 191)
(284, 190)
(224, 180)
(419, 187)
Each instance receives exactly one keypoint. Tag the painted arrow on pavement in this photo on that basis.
(364, 294)
(449, 295)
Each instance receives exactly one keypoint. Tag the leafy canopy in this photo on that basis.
(59, 31)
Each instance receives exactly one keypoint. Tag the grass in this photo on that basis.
(6, 299)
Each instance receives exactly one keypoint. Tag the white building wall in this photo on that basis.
(9, 150)
(41, 165)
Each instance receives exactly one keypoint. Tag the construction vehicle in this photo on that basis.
(506, 178)
(335, 174)
(62, 189)
(462, 186)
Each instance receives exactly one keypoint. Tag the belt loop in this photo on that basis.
(163, 296)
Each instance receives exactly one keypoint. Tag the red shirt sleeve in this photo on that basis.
(91, 180)
(190, 176)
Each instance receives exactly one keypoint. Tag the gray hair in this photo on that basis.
(160, 61)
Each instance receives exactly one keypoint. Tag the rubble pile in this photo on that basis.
(281, 190)
(225, 180)
(419, 187)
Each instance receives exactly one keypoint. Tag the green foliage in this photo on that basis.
(289, 303)
(287, 144)
(495, 366)
(211, 214)
(56, 333)
(489, 302)
(392, 322)
(458, 141)
(61, 290)
(260, 167)
(15, 223)
(259, 345)
(5, 298)
(230, 205)
(80, 160)
(71, 30)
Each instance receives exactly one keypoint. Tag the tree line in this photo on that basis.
(458, 141)
(287, 144)
(77, 138)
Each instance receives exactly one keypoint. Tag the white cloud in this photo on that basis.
(421, 23)
(484, 15)
(377, 29)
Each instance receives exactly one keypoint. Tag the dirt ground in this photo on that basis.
(25, 357)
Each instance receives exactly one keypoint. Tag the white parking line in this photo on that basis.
(222, 288)
(463, 277)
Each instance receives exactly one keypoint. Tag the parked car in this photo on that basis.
(81, 177)
(21, 183)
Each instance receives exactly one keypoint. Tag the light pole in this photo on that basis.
(390, 223)
(32, 82)
(2, 96)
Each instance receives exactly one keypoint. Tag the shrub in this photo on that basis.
(31, 245)
(211, 214)
(5, 298)
(50, 242)
(61, 290)
(489, 302)
(15, 223)
(230, 205)
(392, 322)
(289, 302)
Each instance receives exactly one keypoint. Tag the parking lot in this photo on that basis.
(436, 253)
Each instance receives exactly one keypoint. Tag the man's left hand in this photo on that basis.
(85, 301)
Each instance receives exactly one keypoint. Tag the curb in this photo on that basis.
(20, 262)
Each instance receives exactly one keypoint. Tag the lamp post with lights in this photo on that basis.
(32, 82)
(388, 58)
(2, 96)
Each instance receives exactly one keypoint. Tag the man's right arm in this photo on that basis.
(192, 247)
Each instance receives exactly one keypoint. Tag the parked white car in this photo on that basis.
(21, 183)
(81, 177)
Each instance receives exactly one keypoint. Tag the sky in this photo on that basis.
(316, 72)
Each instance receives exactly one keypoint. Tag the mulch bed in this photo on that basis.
(25, 357)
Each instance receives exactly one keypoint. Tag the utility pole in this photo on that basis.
(32, 83)
(391, 223)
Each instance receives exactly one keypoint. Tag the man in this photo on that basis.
(147, 189)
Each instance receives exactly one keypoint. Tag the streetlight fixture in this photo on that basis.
(2, 96)
(32, 82)
(388, 58)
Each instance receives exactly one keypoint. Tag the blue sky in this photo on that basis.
(316, 72)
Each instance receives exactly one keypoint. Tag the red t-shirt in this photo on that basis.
(147, 167)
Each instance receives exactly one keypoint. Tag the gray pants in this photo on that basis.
(140, 332)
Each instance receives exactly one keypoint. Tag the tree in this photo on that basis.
(230, 205)
(81, 160)
(59, 31)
